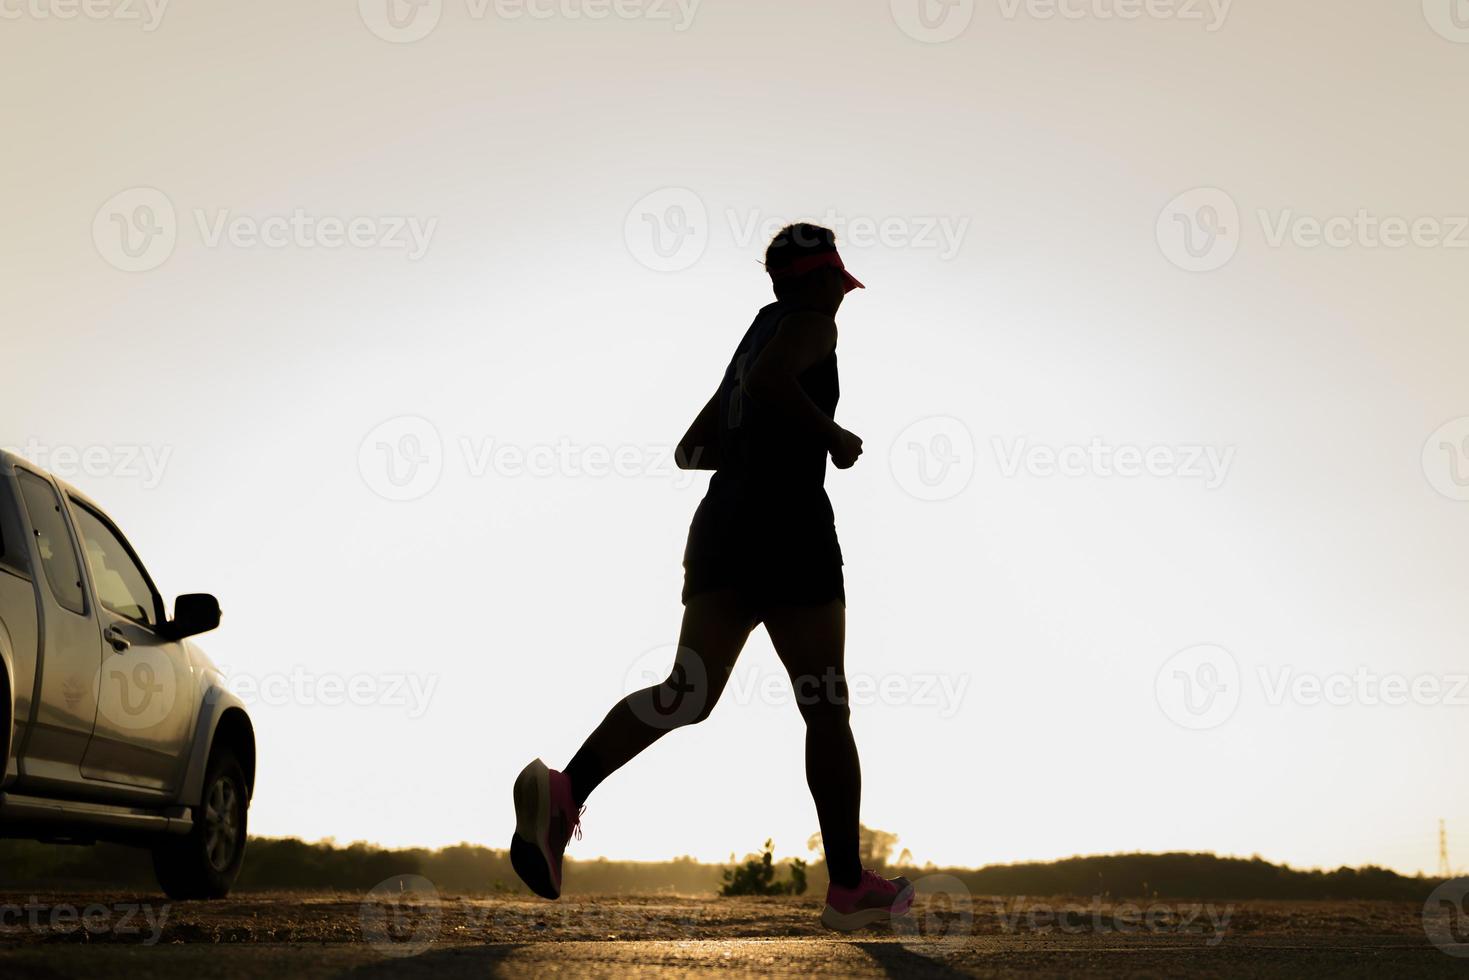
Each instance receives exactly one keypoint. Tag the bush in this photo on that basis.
(757, 876)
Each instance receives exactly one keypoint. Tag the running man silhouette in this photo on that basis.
(762, 548)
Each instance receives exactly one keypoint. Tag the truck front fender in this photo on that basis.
(7, 703)
(222, 718)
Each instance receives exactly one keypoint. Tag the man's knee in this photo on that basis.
(686, 697)
(823, 699)
(696, 701)
(826, 714)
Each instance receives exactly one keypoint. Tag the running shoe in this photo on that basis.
(546, 818)
(875, 899)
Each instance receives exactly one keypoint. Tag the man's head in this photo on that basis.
(806, 270)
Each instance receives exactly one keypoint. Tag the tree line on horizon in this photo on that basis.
(291, 864)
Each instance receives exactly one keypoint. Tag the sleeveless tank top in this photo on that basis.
(769, 469)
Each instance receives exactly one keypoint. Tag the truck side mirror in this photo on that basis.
(193, 614)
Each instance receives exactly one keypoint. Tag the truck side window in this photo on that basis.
(121, 585)
(54, 542)
(12, 546)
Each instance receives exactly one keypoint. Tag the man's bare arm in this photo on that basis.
(801, 341)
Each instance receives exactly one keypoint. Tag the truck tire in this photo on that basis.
(204, 863)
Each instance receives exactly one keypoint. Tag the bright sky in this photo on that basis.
(517, 250)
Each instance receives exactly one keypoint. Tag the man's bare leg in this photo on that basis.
(811, 643)
(715, 628)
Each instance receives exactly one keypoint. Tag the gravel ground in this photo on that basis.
(399, 932)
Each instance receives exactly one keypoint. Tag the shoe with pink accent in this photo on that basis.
(546, 818)
(875, 899)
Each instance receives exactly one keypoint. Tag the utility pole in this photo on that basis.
(1444, 870)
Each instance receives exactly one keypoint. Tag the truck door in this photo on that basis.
(70, 653)
(19, 622)
(145, 688)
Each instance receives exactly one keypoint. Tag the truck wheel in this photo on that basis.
(204, 863)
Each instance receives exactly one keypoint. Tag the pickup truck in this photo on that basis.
(114, 726)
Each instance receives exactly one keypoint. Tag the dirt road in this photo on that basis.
(404, 929)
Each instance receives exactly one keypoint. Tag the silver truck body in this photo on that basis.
(109, 714)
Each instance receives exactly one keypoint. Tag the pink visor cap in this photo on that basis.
(810, 263)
